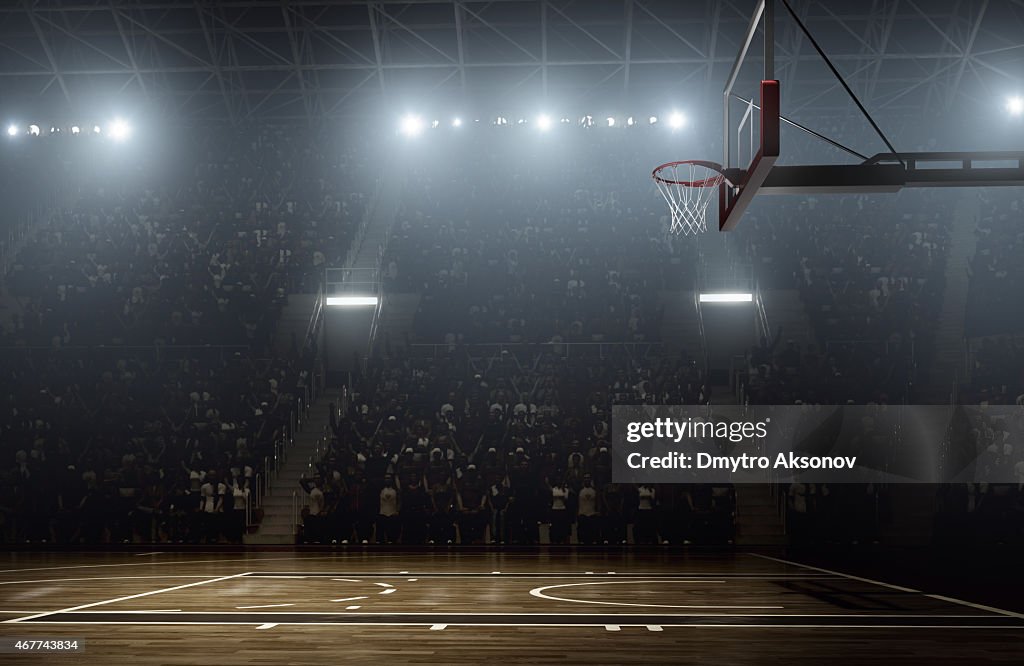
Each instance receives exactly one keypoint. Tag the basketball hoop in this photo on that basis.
(688, 188)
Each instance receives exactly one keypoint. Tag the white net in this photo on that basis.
(688, 188)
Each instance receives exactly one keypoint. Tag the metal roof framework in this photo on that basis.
(316, 59)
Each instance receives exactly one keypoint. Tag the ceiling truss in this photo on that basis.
(315, 59)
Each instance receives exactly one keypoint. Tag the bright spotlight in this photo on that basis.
(727, 298)
(411, 125)
(33, 130)
(677, 120)
(120, 130)
(350, 301)
(544, 122)
(457, 122)
(653, 120)
(630, 122)
(75, 129)
(96, 129)
(565, 121)
(12, 130)
(610, 121)
(1015, 106)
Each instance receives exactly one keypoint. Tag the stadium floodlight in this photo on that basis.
(33, 130)
(120, 130)
(610, 121)
(457, 122)
(544, 122)
(630, 121)
(676, 120)
(727, 298)
(75, 129)
(653, 120)
(1015, 106)
(96, 129)
(411, 125)
(350, 301)
(12, 130)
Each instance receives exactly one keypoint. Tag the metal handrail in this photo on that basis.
(706, 357)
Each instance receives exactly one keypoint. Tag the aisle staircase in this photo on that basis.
(759, 516)
(284, 498)
(947, 366)
(395, 328)
(680, 329)
(294, 323)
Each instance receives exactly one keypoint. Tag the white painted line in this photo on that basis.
(388, 591)
(495, 573)
(70, 580)
(268, 625)
(412, 580)
(343, 580)
(347, 599)
(961, 602)
(283, 577)
(140, 612)
(403, 572)
(871, 616)
(549, 624)
(991, 609)
(612, 627)
(263, 606)
(384, 584)
(126, 598)
(611, 572)
(352, 607)
(438, 627)
(589, 573)
(540, 592)
(654, 627)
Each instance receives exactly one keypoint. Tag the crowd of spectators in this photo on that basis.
(870, 272)
(997, 266)
(145, 390)
(141, 387)
(512, 449)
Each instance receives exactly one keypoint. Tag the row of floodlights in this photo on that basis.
(413, 125)
(118, 130)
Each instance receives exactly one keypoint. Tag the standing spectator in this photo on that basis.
(388, 524)
(588, 516)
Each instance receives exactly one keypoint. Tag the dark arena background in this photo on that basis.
(323, 324)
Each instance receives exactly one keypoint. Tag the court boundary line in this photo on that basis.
(70, 610)
(939, 597)
(253, 623)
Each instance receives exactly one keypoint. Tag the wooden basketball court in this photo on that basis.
(527, 607)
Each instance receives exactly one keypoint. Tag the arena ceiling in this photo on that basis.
(310, 59)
